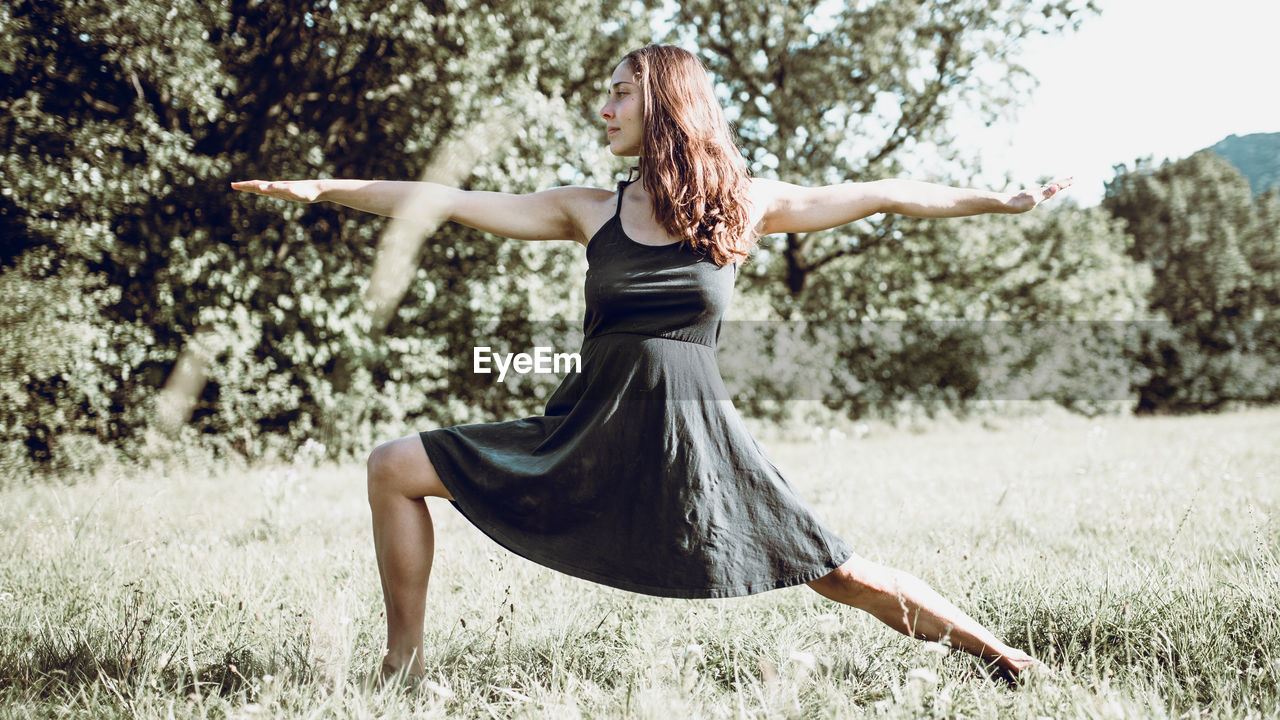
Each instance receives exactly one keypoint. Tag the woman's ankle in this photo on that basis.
(406, 663)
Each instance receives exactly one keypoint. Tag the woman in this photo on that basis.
(640, 474)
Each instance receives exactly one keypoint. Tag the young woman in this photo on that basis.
(640, 474)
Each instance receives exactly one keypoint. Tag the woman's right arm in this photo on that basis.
(554, 214)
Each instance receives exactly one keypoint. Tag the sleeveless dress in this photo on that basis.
(640, 475)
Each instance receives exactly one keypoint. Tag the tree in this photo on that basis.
(124, 121)
(1213, 250)
(991, 307)
(831, 92)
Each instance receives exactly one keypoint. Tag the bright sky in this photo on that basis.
(1145, 77)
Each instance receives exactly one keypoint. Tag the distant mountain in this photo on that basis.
(1257, 157)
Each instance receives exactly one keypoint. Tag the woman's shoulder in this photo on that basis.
(590, 207)
(583, 192)
(581, 198)
(764, 190)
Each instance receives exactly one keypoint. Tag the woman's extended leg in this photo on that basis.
(400, 478)
(906, 604)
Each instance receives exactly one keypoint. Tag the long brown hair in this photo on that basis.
(689, 162)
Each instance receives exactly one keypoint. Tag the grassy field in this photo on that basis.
(1137, 556)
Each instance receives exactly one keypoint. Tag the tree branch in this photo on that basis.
(925, 106)
(847, 251)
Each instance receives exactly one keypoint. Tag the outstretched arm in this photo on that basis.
(547, 215)
(793, 208)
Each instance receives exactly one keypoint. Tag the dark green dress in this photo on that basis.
(641, 474)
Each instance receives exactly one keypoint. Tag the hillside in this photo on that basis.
(1257, 156)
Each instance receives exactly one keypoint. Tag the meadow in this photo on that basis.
(1136, 556)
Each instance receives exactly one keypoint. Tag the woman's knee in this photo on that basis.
(378, 468)
(857, 582)
(401, 467)
(839, 584)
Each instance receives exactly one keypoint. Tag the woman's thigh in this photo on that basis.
(402, 467)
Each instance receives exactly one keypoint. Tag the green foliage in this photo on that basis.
(830, 92)
(56, 406)
(1214, 254)
(122, 244)
(990, 307)
(123, 123)
(899, 312)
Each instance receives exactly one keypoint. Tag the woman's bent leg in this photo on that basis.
(400, 478)
(908, 605)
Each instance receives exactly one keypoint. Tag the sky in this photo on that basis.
(1160, 78)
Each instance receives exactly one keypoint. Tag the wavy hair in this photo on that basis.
(689, 162)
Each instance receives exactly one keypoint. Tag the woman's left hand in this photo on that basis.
(1028, 199)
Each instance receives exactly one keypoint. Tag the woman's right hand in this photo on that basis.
(307, 191)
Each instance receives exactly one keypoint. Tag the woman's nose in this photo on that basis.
(606, 112)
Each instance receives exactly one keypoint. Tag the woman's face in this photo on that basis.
(624, 113)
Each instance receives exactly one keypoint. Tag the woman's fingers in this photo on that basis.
(297, 190)
(1053, 188)
(1028, 199)
(257, 187)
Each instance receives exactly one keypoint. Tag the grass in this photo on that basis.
(1137, 556)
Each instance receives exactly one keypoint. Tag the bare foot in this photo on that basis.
(1020, 669)
(1036, 671)
(397, 677)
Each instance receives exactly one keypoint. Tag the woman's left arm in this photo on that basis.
(793, 208)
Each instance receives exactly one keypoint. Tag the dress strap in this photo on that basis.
(622, 185)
